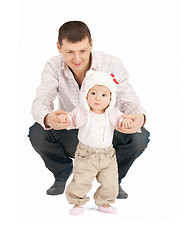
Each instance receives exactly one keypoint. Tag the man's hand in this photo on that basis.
(137, 123)
(53, 120)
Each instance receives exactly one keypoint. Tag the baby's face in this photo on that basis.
(98, 98)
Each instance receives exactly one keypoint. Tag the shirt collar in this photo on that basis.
(93, 61)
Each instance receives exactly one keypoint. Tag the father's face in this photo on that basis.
(76, 55)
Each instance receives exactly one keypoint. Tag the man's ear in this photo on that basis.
(91, 44)
(59, 47)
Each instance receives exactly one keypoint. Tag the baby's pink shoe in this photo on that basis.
(77, 210)
(107, 209)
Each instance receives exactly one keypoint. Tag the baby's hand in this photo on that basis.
(125, 123)
(64, 118)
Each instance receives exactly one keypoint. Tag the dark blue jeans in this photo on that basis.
(57, 147)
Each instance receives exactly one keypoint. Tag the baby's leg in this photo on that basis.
(108, 178)
(81, 183)
(83, 176)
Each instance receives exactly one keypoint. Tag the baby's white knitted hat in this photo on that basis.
(93, 78)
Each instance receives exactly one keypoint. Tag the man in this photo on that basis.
(62, 77)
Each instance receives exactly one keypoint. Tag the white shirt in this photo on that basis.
(97, 131)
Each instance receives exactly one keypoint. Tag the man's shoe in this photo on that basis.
(122, 194)
(57, 188)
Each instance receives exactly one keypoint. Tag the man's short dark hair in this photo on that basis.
(74, 31)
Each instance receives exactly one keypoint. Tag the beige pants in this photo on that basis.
(91, 163)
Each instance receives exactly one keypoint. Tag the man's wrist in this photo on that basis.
(46, 121)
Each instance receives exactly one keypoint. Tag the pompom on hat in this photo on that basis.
(94, 78)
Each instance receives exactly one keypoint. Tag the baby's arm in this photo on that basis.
(120, 121)
(76, 118)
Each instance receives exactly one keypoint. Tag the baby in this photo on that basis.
(96, 119)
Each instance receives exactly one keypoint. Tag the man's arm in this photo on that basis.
(127, 99)
(45, 95)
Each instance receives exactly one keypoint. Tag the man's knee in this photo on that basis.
(36, 135)
(141, 140)
(53, 141)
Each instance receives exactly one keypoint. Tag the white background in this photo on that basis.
(149, 37)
